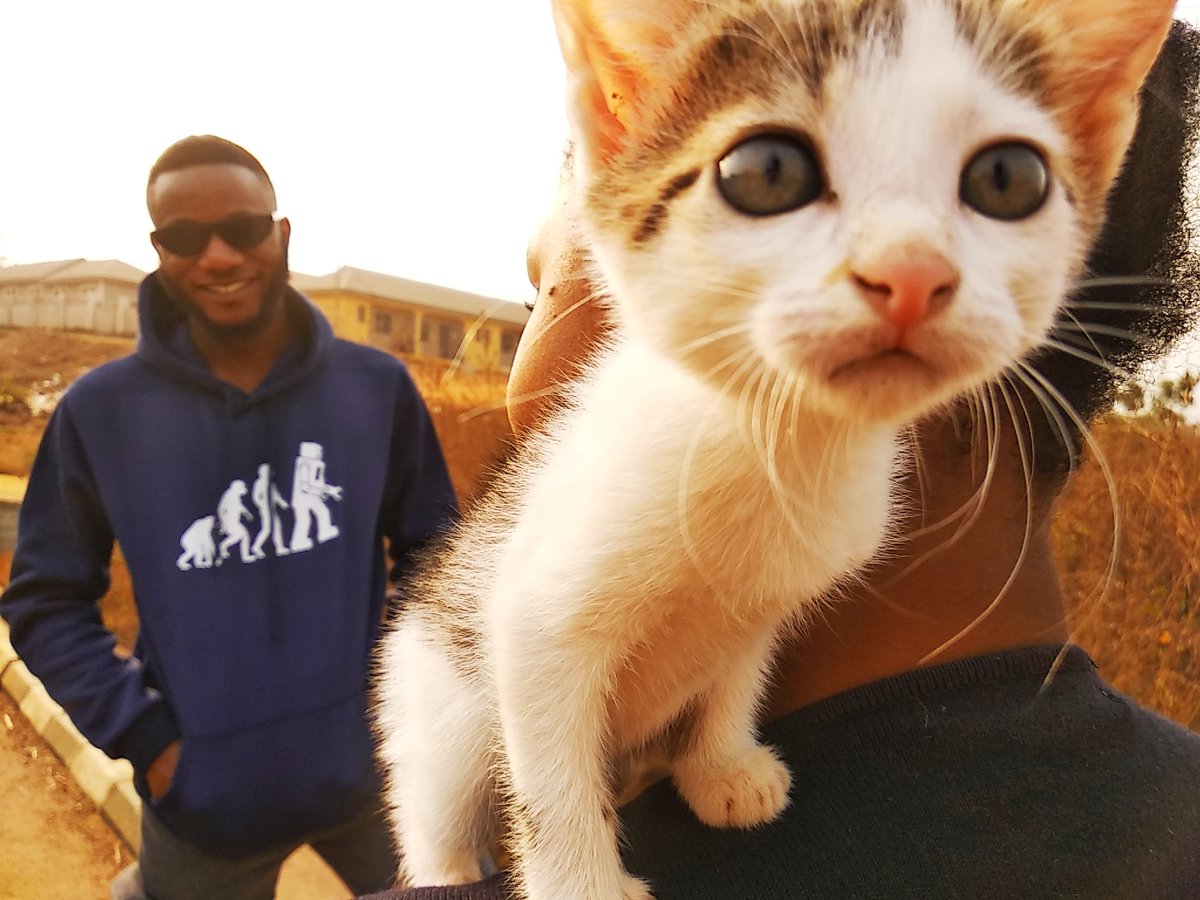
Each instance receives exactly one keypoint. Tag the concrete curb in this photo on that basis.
(107, 782)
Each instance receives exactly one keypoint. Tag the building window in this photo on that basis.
(508, 347)
(440, 337)
(381, 325)
(404, 336)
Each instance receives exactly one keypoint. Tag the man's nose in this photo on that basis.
(219, 255)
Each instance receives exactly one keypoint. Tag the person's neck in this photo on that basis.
(243, 361)
(953, 593)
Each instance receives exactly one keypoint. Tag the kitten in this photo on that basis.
(817, 220)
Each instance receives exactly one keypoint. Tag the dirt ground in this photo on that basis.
(56, 844)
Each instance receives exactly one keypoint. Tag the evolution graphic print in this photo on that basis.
(309, 507)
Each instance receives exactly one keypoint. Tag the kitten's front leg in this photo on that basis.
(437, 750)
(727, 777)
(552, 711)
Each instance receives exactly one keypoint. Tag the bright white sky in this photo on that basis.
(419, 137)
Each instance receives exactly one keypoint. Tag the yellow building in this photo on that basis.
(428, 320)
(394, 314)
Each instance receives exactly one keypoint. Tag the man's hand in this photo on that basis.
(162, 771)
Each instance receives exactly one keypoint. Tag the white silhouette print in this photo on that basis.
(309, 493)
(199, 547)
(267, 498)
(230, 512)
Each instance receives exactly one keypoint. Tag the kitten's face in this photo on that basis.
(883, 201)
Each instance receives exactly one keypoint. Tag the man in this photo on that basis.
(242, 709)
(945, 740)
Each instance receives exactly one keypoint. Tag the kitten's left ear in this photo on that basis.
(610, 47)
(1108, 48)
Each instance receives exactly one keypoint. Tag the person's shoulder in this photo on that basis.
(105, 379)
(1152, 730)
(361, 368)
(362, 355)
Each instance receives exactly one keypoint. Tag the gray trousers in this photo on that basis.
(360, 852)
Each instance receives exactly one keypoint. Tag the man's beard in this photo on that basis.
(273, 294)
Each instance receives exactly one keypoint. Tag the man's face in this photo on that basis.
(226, 290)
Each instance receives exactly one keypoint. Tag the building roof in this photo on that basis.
(347, 278)
(69, 270)
(392, 287)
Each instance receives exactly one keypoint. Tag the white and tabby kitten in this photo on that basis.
(817, 221)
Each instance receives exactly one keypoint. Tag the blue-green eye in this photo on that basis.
(770, 174)
(1006, 181)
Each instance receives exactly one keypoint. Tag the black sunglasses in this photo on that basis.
(188, 238)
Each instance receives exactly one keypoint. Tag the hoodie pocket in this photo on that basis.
(273, 784)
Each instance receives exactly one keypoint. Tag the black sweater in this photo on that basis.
(965, 780)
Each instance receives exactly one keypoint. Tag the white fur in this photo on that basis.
(711, 481)
(630, 586)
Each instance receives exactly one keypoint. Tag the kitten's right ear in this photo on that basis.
(609, 47)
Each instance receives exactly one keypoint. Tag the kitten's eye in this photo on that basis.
(1008, 181)
(770, 174)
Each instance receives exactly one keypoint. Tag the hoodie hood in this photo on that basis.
(165, 344)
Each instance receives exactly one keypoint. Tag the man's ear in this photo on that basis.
(285, 231)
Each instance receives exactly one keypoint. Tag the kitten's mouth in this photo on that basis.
(889, 364)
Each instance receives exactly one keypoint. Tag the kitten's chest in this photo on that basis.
(685, 490)
(778, 535)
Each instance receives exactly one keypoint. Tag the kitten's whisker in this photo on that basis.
(1058, 412)
(969, 511)
(595, 295)
(1090, 328)
(1059, 328)
(1047, 392)
(1102, 281)
(686, 350)
(515, 400)
(1101, 306)
(1023, 439)
(1078, 353)
(467, 338)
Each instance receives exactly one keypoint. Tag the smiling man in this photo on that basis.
(231, 289)
(243, 708)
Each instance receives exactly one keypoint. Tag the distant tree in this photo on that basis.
(1168, 403)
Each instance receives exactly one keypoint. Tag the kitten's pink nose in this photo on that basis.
(906, 285)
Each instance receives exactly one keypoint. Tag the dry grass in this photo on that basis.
(468, 413)
(40, 363)
(1138, 621)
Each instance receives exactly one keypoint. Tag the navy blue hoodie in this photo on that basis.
(253, 526)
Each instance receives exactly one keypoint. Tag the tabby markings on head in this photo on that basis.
(750, 49)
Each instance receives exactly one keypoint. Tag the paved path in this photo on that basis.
(56, 844)
(12, 488)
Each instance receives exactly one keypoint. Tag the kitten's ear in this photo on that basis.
(609, 47)
(1109, 48)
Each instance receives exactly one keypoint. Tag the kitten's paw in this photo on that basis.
(748, 791)
(634, 888)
